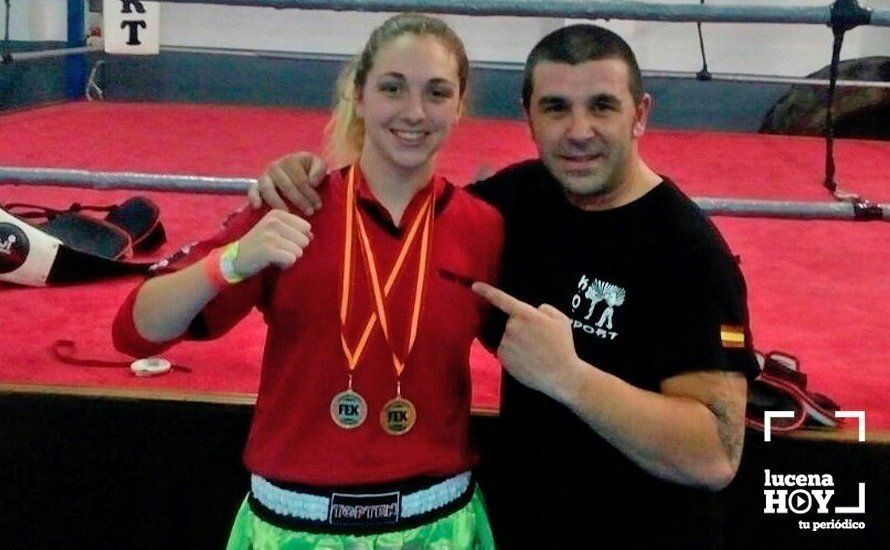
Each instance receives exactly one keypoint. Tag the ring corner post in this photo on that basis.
(75, 65)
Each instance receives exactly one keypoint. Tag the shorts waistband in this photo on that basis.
(364, 511)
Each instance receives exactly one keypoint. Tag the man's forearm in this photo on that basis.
(672, 437)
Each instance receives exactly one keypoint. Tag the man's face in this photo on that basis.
(585, 123)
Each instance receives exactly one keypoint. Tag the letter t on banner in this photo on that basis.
(132, 26)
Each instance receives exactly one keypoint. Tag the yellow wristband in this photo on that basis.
(227, 264)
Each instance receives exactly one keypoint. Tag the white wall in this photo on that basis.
(793, 50)
(20, 17)
(487, 38)
(36, 20)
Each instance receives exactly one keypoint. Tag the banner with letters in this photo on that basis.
(132, 27)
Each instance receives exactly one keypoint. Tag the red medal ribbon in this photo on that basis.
(424, 216)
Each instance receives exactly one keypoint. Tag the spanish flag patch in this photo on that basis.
(732, 336)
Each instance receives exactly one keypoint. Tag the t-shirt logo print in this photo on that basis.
(596, 291)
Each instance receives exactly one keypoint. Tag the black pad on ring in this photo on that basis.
(71, 247)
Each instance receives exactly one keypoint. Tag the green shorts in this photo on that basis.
(465, 529)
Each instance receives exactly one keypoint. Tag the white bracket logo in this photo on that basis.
(858, 415)
(768, 422)
(769, 415)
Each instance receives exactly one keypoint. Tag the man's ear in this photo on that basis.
(641, 116)
(528, 118)
(524, 110)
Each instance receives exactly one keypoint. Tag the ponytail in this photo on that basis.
(345, 132)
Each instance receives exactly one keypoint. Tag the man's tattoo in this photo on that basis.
(730, 423)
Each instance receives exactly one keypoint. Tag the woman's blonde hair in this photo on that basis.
(344, 134)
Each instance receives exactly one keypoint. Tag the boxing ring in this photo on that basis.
(806, 215)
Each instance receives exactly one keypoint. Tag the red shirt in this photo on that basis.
(293, 437)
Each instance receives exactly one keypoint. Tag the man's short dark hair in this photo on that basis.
(577, 44)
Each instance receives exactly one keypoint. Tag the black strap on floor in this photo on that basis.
(703, 74)
(845, 15)
(7, 53)
(30, 211)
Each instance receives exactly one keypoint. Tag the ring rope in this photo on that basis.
(651, 73)
(494, 65)
(238, 186)
(56, 52)
(575, 9)
(765, 79)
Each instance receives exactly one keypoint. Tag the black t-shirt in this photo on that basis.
(648, 287)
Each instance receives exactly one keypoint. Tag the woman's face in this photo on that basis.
(410, 101)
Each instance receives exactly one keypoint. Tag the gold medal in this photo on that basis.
(348, 409)
(398, 416)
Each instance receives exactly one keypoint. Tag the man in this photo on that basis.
(626, 345)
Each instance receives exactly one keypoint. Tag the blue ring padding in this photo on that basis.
(75, 65)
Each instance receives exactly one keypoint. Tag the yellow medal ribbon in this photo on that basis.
(424, 216)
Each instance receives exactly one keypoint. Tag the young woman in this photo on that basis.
(360, 433)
